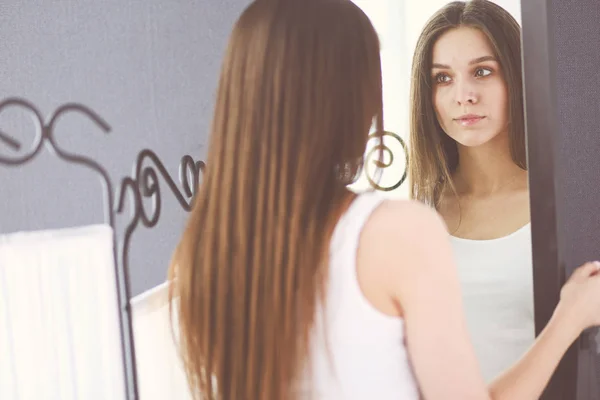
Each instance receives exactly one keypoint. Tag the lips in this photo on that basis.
(469, 119)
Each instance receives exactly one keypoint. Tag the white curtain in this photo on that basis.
(59, 323)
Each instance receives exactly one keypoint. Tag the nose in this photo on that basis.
(466, 93)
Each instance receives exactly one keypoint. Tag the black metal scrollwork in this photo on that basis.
(382, 148)
(45, 136)
(145, 183)
(9, 141)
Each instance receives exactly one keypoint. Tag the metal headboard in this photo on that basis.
(143, 184)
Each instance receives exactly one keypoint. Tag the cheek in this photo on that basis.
(440, 105)
(499, 94)
(505, 102)
(502, 109)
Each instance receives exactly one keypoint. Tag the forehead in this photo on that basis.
(460, 45)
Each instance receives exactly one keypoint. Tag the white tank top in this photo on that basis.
(361, 354)
(497, 285)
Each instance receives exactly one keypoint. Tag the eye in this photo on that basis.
(482, 72)
(442, 78)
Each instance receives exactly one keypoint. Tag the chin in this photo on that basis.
(472, 139)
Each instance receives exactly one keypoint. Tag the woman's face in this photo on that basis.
(469, 92)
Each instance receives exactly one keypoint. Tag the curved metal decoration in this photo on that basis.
(45, 135)
(9, 141)
(145, 183)
(382, 148)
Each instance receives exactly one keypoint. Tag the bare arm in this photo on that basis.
(416, 257)
(576, 311)
(527, 379)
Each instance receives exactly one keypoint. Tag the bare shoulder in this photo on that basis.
(398, 219)
(402, 242)
(402, 246)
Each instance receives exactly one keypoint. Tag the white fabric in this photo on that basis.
(497, 284)
(159, 368)
(59, 323)
(361, 354)
(367, 349)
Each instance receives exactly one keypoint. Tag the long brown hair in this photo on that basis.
(433, 155)
(299, 89)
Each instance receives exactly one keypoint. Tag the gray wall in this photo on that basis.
(149, 68)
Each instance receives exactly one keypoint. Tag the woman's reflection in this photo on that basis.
(468, 161)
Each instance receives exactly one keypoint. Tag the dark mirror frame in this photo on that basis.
(551, 167)
(541, 131)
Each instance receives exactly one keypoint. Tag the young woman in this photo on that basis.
(468, 161)
(288, 286)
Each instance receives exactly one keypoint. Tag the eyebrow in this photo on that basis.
(472, 62)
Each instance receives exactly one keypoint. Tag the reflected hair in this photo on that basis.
(433, 155)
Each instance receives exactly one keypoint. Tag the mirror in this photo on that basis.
(472, 139)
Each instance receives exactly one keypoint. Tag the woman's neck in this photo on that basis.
(487, 169)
